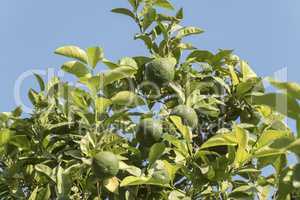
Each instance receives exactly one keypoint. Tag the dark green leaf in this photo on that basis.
(155, 153)
(76, 68)
(40, 81)
(124, 11)
(149, 18)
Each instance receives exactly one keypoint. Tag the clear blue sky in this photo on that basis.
(264, 32)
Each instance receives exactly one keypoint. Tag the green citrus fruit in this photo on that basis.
(161, 70)
(187, 114)
(105, 164)
(149, 131)
(250, 117)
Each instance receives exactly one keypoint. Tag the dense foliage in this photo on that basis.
(179, 123)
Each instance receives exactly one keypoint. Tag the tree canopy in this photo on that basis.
(178, 123)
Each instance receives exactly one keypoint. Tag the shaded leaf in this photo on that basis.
(21, 141)
(155, 153)
(44, 169)
(109, 64)
(149, 18)
(296, 176)
(76, 68)
(40, 81)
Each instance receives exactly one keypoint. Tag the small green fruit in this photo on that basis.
(187, 114)
(161, 70)
(250, 118)
(149, 131)
(105, 164)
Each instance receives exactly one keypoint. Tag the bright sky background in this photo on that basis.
(264, 32)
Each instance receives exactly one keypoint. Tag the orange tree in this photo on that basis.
(178, 123)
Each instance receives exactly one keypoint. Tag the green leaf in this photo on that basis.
(17, 112)
(234, 77)
(109, 64)
(63, 181)
(184, 130)
(95, 54)
(20, 141)
(227, 139)
(33, 96)
(164, 4)
(294, 147)
(298, 127)
(171, 169)
(241, 137)
(124, 11)
(222, 83)
(44, 193)
(134, 3)
(187, 31)
(76, 68)
(269, 136)
(156, 152)
(291, 88)
(111, 184)
(267, 151)
(129, 62)
(279, 102)
(40, 81)
(241, 154)
(176, 195)
(179, 91)
(149, 18)
(179, 144)
(118, 74)
(296, 176)
(33, 195)
(86, 144)
(73, 52)
(102, 104)
(5, 136)
(127, 98)
(179, 14)
(147, 40)
(95, 83)
(246, 70)
(133, 170)
(200, 56)
(132, 180)
(44, 169)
